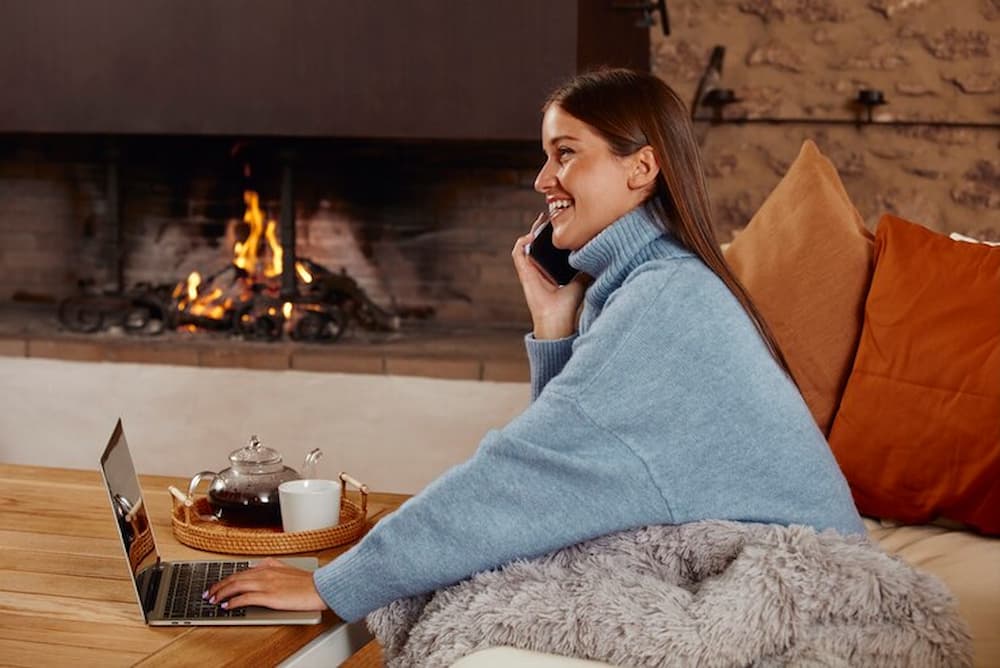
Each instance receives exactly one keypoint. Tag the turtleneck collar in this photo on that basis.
(620, 247)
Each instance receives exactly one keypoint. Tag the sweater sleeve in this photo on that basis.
(531, 488)
(550, 478)
(546, 358)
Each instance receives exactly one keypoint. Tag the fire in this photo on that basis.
(194, 280)
(208, 305)
(246, 253)
(303, 273)
(260, 257)
(274, 269)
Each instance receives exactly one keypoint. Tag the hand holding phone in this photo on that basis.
(554, 262)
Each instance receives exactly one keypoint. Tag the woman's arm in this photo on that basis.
(549, 479)
(553, 316)
(552, 477)
(546, 358)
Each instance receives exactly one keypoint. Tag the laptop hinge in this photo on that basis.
(149, 586)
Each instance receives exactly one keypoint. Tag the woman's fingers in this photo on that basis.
(539, 220)
(244, 600)
(250, 580)
(272, 584)
(522, 244)
(527, 272)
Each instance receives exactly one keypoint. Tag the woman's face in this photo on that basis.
(586, 186)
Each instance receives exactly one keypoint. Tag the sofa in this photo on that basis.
(894, 341)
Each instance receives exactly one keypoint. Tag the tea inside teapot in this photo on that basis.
(246, 493)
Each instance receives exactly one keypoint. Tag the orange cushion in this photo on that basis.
(918, 430)
(805, 259)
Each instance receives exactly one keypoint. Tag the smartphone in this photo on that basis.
(554, 262)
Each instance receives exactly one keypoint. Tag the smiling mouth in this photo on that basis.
(556, 207)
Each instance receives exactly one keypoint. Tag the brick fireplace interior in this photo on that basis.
(423, 227)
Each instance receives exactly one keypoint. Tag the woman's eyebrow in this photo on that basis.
(556, 140)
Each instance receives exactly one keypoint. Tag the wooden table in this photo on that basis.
(65, 594)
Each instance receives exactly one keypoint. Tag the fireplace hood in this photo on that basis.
(413, 69)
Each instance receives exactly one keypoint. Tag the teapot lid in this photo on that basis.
(255, 454)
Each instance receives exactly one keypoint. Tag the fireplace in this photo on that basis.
(423, 228)
(393, 147)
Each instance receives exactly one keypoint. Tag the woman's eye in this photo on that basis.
(564, 152)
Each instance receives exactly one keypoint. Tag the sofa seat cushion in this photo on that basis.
(968, 563)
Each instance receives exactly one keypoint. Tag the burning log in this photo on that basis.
(246, 297)
(344, 292)
(330, 303)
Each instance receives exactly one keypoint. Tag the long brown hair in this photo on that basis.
(631, 110)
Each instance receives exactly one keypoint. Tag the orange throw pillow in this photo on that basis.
(918, 430)
(805, 259)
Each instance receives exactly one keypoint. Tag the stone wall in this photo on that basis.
(933, 59)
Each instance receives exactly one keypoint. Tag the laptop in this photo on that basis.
(169, 592)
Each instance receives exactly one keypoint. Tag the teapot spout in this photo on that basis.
(309, 465)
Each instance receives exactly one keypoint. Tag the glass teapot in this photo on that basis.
(246, 493)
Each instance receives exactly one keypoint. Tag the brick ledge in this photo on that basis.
(492, 356)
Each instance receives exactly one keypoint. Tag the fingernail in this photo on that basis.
(204, 595)
(225, 606)
(212, 600)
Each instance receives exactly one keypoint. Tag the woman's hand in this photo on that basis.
(272, 584)
(553, 308)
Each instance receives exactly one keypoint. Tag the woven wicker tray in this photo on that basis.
(213, 536)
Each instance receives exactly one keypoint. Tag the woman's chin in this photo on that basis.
(561, 236)
(561, 244)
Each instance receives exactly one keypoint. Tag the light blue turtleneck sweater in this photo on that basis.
(666, 407)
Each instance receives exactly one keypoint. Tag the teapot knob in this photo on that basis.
(309, 465)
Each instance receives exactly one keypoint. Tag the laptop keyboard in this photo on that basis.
(190, 580)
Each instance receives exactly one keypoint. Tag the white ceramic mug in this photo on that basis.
(307, 505)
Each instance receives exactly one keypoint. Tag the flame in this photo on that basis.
(196, 304)
(276, 252)
(260, 255)
(303, 273)
(194, 280)
(245, 252)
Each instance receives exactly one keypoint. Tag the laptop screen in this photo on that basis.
(130, 513)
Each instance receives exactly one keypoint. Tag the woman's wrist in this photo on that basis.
(548, 330)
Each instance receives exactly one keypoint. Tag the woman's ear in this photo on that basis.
(645, 169)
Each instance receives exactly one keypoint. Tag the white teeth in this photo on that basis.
(559, 205)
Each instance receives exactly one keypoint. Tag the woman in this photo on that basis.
(666, 401)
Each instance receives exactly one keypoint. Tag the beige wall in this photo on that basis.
(933, 60)
(395, 433)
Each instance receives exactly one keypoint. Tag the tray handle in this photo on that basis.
(182, 504)
(346, 478)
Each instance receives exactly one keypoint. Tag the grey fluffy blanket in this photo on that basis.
(708, 594)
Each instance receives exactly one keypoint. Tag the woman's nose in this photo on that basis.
(546, 178)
